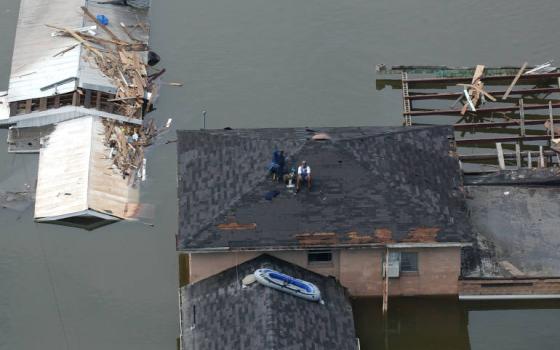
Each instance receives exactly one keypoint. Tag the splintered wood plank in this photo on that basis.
(517, 76)
(478, 71)
(500, 151)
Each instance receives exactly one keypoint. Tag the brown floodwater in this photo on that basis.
(255, 63)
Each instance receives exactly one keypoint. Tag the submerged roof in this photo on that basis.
(371, 185)
(219, 313)
(36, 72)
(75, 176)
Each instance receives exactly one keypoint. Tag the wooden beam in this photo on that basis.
(517, 76)
(522, 116)
(541, 76)
(541, 157)
(28, 105)
(98, 100)
(56, 101)
(75, 98)
(501, 160)
(517, 155)
(99, 25)
(529, 160)
(13, 108)
(481, 110)
(43, 104)
(551, 121)
(527, 138)
(87, 98)
(496, 93)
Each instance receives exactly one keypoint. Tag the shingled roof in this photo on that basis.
(371, 185)
(219, 313)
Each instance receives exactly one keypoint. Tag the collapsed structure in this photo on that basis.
(81, 84)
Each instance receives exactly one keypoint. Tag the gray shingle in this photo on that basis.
(364, 179)
(227, 316)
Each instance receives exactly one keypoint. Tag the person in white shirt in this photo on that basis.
(303, 175)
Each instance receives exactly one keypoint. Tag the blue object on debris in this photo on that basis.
(102, 19)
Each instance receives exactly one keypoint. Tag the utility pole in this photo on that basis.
(204, 118)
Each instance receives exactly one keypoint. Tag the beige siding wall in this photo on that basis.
(359, 270)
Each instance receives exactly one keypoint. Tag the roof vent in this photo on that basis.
(321, 137)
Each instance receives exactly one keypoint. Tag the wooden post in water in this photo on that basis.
(522, 117)
(529, 160)
(518, 155)
(551, 121)
(541, 157)
(386, 284)
(501, 161)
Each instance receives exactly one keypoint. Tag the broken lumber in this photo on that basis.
(515, 79)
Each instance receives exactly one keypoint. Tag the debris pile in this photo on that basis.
(123, 61)
(127, 142)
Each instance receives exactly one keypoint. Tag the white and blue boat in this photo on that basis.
(288, 284)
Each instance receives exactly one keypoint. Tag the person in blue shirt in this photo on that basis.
(303, 175)
(277, 165)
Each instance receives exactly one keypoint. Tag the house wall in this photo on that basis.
(359, 270)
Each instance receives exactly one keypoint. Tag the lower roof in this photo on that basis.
(220, 313)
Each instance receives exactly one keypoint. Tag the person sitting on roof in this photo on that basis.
(277, 165)
(303, 174)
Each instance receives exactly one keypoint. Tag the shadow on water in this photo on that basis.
(446, 323)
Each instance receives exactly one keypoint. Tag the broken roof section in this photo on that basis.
(76, 179)
(36, 72)
(372, 185)
(220, 313)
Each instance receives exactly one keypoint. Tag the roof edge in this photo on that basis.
(338, 246)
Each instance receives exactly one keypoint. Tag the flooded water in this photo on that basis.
(253, 63)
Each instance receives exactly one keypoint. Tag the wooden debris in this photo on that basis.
(127, 143)
(517, 76)
(99, 25)
(122, 62)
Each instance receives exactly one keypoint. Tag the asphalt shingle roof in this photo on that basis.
(219, 313)
(370, 185)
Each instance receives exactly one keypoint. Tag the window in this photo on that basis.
(319, 256)
(409, 262)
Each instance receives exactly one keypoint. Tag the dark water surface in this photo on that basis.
(255, 63)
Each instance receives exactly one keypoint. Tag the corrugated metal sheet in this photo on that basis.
(33, 64)
(53, 116)
(62, 182)
(75, 176)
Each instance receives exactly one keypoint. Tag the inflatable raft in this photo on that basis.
(288, 284)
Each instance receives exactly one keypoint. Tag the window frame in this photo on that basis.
(320, 262)
(417, 260)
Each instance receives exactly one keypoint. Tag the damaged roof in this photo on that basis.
(37, 71)
(219, 313)
(76, 178)
(371, 185)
